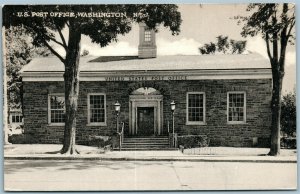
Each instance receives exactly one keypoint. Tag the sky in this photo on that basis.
(200, 25)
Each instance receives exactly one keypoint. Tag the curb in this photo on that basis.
(147, 159)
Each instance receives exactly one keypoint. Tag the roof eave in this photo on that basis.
(257, 73)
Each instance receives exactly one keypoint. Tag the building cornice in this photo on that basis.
(154, 75)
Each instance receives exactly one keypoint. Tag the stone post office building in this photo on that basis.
(226, 97)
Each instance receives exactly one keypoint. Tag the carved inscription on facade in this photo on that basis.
(145, 78)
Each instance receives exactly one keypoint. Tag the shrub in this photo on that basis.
(104, 141)
(288, 114)
(99, 141)
(96, 143)
(22, 139)
(192, 141)
(263, 142)
(288, 142)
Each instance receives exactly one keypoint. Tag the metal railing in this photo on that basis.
(121, 136)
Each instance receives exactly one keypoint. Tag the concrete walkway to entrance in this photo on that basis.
(216, 154)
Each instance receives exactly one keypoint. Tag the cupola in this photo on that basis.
(147, 45)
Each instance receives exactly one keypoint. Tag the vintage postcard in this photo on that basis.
(149, 97)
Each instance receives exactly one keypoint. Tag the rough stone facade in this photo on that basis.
(220, 133)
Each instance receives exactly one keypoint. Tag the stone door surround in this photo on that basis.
(154, 101)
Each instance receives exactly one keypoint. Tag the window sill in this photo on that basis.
(96, 125)
(195, 123)
(236, 123)
(56, 124)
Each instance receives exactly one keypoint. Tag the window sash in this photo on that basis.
(236, 107)
(147, 36)
(56, 109)
(195, 108)
(96, 109)
(16, 118)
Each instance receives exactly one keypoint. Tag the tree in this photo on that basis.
(18, 52)
(238, 46)
(275, 23)
(222, 45)
(86, 20)
(208, 48)
(288, 114)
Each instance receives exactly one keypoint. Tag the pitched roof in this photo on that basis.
(161, 63)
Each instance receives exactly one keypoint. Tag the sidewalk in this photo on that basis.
(209, 154)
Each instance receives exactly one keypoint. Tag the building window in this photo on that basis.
(16, 118)
(147, 35)
(195, 108)
(236, 107)
(56, 103)
(96, 109)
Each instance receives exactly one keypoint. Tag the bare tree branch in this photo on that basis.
(43, 35)
(54, 40)
(290, 29)
(268, 46)
(61, 36)
(54, 52)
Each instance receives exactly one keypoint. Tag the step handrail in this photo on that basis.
(122, 131)
(121, 135)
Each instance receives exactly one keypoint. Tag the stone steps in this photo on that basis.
(143, 137)
(148, 149)
(146, 143)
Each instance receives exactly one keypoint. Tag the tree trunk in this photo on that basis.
(276, 112)
(71, 78)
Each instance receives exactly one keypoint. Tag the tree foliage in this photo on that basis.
(238, 46)
(288, 114)
(101, 30)
(275, 23)
(269, 20)
(84, 53)
(19, 52)
(224, 45)
(209, 48)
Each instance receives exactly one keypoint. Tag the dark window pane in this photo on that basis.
(195, 107)
(97, 109)
(236, 107)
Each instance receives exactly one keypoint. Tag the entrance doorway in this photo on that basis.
(145, 112)
(145, 121)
